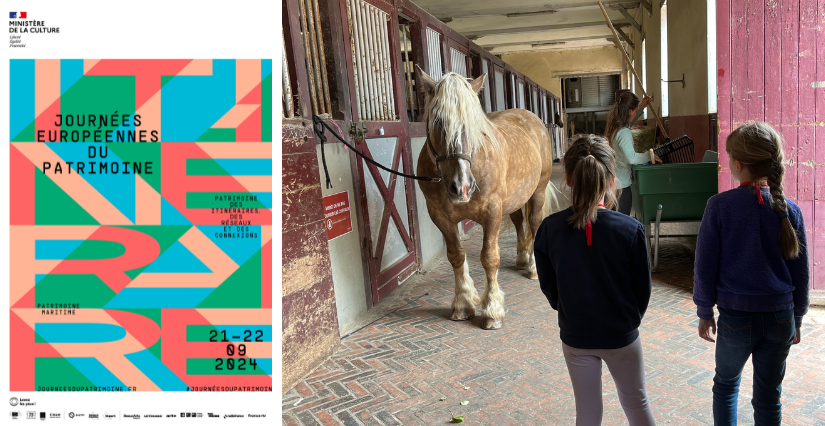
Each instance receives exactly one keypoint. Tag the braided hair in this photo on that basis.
(591, 165)
(759, 147)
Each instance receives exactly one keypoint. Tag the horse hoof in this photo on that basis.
(491, 323)
(462, 315)
(522, 266)
(533, 275)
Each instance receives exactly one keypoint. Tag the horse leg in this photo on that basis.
(536, 205)
(523, 237)
(492, 301)
(466, 297)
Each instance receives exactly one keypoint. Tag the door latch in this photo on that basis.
(358, 131)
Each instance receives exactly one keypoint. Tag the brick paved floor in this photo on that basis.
(398, 369)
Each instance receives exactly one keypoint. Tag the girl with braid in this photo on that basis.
(752, 263)
(593, 268)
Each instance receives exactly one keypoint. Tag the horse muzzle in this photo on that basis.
(460, 191)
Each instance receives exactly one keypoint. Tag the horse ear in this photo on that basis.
(427, 82)
(478, 83)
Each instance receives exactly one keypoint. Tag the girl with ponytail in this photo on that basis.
(626, 110)
(593, 268)
(752, 263)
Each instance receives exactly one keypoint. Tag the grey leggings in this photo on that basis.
(626, 365)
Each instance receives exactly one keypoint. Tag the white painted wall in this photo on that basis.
(433, 247)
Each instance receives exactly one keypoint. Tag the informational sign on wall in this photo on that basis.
(337, 215)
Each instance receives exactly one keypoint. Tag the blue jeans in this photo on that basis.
(768, 337)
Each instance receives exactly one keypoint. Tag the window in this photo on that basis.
(711, 56)
(644, 71)
(664, 101)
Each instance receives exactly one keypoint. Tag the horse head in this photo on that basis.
(456, 128)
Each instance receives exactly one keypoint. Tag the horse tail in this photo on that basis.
(551, 200)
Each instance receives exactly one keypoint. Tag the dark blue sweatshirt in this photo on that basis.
(739, 264)
(600, 291)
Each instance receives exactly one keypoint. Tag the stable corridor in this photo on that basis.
(413, 366)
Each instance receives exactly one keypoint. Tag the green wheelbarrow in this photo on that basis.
(674, 195)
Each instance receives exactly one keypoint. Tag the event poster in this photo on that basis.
(140, 225)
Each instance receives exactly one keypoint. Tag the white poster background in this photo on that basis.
(148, 29)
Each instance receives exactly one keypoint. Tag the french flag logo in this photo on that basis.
(15, 15)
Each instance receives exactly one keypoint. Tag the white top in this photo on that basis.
(626, 156)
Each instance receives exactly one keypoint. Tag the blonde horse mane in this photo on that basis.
(456, 106)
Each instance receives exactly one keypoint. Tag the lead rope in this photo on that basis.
(319, 126)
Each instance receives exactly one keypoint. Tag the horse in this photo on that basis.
(489, 165)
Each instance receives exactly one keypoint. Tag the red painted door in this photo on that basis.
(387, 222)
(387, 201)
(770, 58)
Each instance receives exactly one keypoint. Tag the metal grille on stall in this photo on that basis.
(513, 92)
(409, 70)
(521, 100)
(458, 61)
(485, 72)
(543, 106)
(501, 99)
(286, 84)
(313, 42)
(534, 105)
(559, 133)
(434, 54)
(558, 142)
(372, 68)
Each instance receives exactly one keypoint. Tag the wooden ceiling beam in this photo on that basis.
(511, 12)
(507, 31)
(537, 42)
(625, 37)
(629, 17)
(507, 50)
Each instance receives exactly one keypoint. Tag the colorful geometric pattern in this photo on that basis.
(154, 272)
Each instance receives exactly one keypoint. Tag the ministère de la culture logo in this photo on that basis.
(20, 27)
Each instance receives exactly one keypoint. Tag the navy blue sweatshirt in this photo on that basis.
(600, 291)
(739, 264)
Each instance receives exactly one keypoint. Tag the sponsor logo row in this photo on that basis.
(43, 415)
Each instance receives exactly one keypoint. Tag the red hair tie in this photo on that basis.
(588, 230)
(758, 191)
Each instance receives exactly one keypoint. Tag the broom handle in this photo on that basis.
(629, 64)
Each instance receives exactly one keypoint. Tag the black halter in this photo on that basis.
(448, 157)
